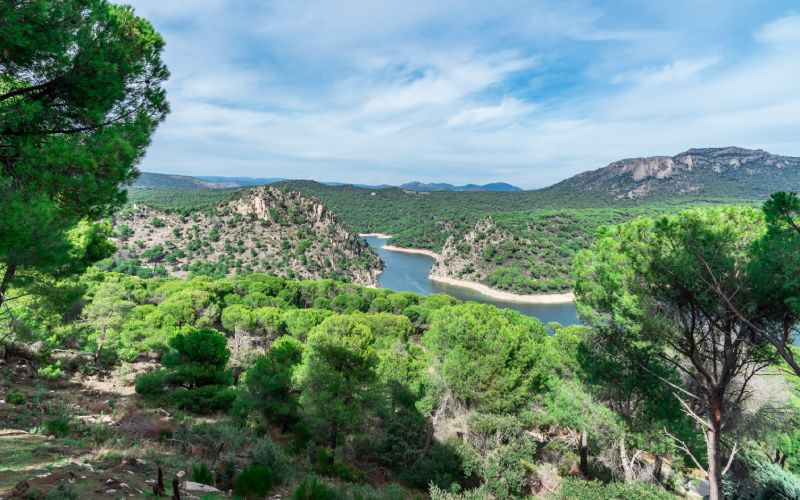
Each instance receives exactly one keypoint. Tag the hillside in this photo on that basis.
(716, 172)
(169, 181)
(260, 229)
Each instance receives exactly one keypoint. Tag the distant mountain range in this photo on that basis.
(728, 172)
(154, 180)
(494, 186)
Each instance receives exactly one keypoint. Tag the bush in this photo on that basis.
(197, 358)
(202, 474)
(56, 426)
(253, 482)
(15, 397)
(442, 467)
(50, 372)
(578, 488)
(150, 383)
(63, 492)
(771, 481)
(268, 454)
(205, 399)
(313, 489)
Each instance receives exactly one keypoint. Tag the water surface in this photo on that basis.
(408, 272)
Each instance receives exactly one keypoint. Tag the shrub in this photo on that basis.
(50, 372)
(313, 489)
(265, 452)
(15, 397)
(150, 383)
(63, 492)
(253, 482)
(56, 426)
(578, 488)
(197, 358)
(269, 382)
(202, 474)
(205, 399)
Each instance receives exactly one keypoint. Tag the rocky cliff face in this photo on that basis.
(264, 229)
(719, 172)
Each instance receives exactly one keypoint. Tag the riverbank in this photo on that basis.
(540, 298)
(429, 253)
(382, 236)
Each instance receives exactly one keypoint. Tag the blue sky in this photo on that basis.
(525, 92)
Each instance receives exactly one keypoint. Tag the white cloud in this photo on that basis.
(508, 109)
(784, 29)
(675, 71)
(463, 90)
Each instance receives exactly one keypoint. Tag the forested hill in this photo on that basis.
(258, 229)
(169, 181)
(710, 172)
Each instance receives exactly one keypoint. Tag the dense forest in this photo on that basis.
(682, 379)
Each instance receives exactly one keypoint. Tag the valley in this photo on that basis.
(411, 272)
(420, 327)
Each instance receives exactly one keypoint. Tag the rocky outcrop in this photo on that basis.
(263, 229)
(719, 172)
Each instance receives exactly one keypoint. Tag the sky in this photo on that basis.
(527, 92)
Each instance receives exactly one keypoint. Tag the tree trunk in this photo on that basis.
(657, 466)
(100, 345)
(583, 449)
(334, 437)
(8, 275)
(627, 466)
(713, 447)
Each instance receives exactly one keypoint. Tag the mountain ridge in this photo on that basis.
(724, 172)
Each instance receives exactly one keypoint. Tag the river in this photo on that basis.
(408, 272)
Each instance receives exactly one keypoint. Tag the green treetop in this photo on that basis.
(80, 95)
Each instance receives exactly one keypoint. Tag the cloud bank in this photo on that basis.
(466, 91)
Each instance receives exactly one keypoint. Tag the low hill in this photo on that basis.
(259, 229)
(494, 186)
(169, 181)
(240, 181)
(708, 172)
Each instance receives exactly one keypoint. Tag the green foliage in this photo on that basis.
(577, 488)
(197, 358)
(267, 453)
(253, 482)
(488, 357)
(203, 399)
(57, 426)
(313, 489)
(201, 473)
(337, 377)
(15, 397)
(150, 383)
(507, 469)
(70, 141)
(773, 482)
(269, 382)
(51, 371)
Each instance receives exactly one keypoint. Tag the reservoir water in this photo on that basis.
(408, 272)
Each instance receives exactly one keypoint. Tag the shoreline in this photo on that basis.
(382, 236)
(429, 253)
(541, 298)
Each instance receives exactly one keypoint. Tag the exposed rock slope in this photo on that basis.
(264, 229)
(719, 172)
